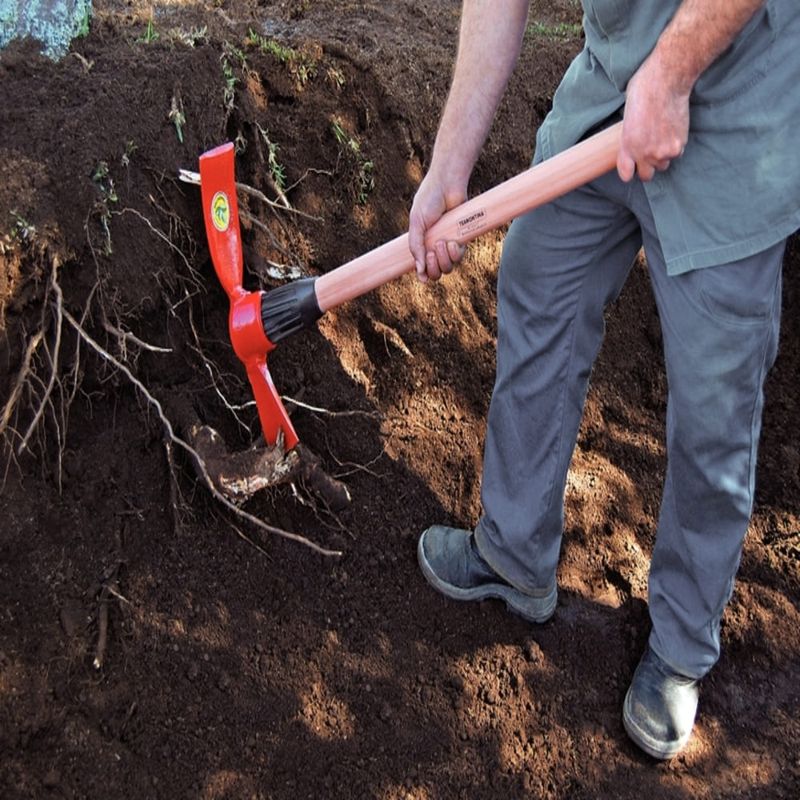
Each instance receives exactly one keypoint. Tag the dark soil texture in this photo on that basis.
(238, 664)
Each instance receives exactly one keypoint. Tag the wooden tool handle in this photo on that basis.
(540, 184)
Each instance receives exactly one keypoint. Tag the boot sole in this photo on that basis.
(532, 609)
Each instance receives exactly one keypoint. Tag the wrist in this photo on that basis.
(675, 75)
(451, 170)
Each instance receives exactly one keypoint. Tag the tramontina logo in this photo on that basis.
(473, 222)
(220, 212)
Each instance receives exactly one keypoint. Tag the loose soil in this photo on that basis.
(237, 672)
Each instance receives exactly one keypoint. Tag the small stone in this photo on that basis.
(224, 681)
(532, 651)
(386, 712)
(193, 672)
(259, 648)
(491, 697)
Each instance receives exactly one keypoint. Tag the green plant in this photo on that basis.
(229, 55)
(150, 34)
(558, 30)
(229, 85)
(22, 230)
(300, 65)
(364, 168)
(177, 117)
(276, 169)
(107, 195)
(130, 148)
(83, 27)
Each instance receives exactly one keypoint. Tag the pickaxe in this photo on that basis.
(259, 320)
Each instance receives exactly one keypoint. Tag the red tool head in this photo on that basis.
(250, 342)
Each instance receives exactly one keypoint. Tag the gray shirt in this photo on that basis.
(736, 189)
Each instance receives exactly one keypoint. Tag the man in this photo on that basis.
(708, 181)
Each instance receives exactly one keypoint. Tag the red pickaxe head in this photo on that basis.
(252, 337)
(259, 320)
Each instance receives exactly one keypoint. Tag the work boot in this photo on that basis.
(451, 563)
(659, 708)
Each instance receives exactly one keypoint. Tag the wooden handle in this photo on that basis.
(539, 185)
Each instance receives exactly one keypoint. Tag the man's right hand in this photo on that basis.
(489, 43)
(433, 198)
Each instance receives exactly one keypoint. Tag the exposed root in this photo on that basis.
(327, 412)
(241, 475)
(52, 357)
(187, 176)
(22, 379)
(309, 171)
(332, 492)
(199, 461)
(109, 587)
(123, 337)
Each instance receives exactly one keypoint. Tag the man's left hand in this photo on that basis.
(656, 123)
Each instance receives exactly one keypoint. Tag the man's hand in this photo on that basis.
(433, 198)
(656, 123)
(489, 42)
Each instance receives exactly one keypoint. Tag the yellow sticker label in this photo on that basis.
(221, 212)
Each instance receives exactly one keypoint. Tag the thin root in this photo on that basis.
(176, 440)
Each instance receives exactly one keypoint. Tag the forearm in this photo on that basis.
(489, 43)
(656, 127)
(698, 33)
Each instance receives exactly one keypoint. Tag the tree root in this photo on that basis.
(239, 475)
(199, 461)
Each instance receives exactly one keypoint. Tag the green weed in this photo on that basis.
(130, 148)
(230, 55)
(83, 28)
(364, 168)
(150, 34)
(301, 66)
(177, 117)
(22, 230)
(276, 169)
(107, 196)
(558, 30)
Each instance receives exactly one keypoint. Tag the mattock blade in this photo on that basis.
(221, 216)
(246, 329)
(271, 411)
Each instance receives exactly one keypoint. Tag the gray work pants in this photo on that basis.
(562, 264)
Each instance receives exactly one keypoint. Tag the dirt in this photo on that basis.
(241, 665)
